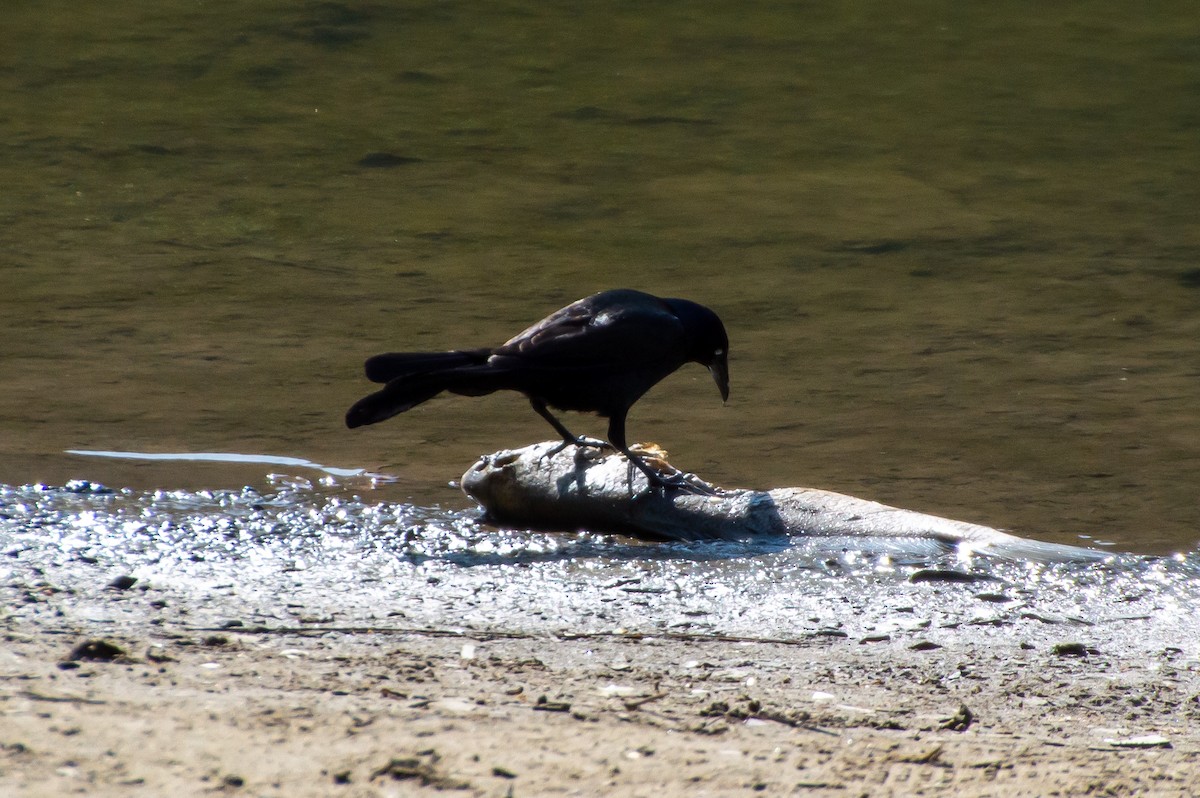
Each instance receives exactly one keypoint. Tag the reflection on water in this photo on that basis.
(262, 557)
(225, 457)
(956, 248)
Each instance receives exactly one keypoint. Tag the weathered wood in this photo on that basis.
(589, 488)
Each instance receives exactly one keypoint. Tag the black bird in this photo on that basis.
(597, 355)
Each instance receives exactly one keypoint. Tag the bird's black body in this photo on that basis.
(599, 355)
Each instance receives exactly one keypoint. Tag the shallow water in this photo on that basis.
(316, 554)
(957, 253)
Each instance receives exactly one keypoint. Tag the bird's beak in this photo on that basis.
(719, 369)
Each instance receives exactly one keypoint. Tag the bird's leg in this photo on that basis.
(678, 480)
(569, 438)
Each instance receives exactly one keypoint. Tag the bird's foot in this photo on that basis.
(583, 442)
(688, 483)
(678, 481)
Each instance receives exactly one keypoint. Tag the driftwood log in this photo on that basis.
(592, 488)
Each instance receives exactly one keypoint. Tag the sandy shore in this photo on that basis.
(356, 712)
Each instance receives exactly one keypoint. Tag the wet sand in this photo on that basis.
(314, 709)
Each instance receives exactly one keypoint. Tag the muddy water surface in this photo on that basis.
(957, 251)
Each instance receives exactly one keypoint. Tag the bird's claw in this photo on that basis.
(681, 481)
(582, 442)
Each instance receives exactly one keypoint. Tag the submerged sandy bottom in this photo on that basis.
(306, 641)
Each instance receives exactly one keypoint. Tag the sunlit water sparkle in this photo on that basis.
(313, 551)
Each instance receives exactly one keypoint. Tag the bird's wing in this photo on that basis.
(591, 334)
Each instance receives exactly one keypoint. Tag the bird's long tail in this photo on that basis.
(416, 377)
(389, 366)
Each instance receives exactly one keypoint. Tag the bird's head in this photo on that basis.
(709, 343)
